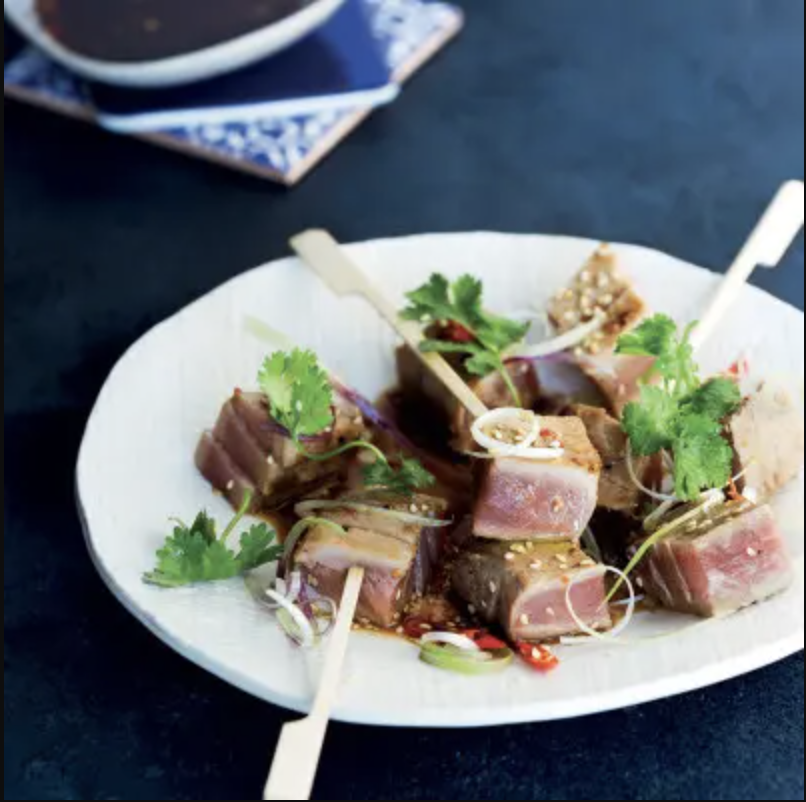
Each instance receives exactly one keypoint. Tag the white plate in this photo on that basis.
(136, 469)
(200, 65)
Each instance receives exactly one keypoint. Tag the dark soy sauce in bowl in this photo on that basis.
(149, 30)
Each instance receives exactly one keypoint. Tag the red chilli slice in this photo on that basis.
(540, 658)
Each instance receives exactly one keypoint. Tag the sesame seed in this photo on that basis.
(622, 390)
(525, 620)
(510, 557)
(399, 595)
(414, 509)
(493, 587)
(640, 582)
(551, 611)
(525, 370)
(472, 610)
(536, 566)
(270, 461)
(586, 276)
(313, 582)
(427, 627)
(607, 300)
(537, 654)
(589, 563)
(604, 281)
(571, 316)
(752, 552)
(359, 421)
(401, 631)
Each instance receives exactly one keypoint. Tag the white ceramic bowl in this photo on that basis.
(208, 63)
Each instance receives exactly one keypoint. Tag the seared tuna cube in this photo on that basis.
(722, 565)
(399, 557)
(523, 499)
(599, 289)
(617, 376)
(768, 435)
(418, 382)
(224, 474)
(247, 450)
(523, 588)
(617, 491)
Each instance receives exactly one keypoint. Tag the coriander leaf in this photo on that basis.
(462, 303)
(299, 392)
(650, 423)
(219, 563)
(196, 555)
(703, 457)
(674, 356)
(654, 337)
(205, 526)
(484, 363)
(258, 547)
(405, 481)
(274, 382)
(180, 561)
(498, 333)
(431, 302)
(468, 293)
(717, 399)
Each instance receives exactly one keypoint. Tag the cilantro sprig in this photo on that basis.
(196, 554)
(461, 303)
(677, 412)
(409, 478)
(300, 396)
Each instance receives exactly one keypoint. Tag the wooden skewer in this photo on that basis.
(767, 246)
(296, 761)
(324, 255)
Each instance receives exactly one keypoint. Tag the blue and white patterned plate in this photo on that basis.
(285, 149)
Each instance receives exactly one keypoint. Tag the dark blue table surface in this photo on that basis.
(669, 124)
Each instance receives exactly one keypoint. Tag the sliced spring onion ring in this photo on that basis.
(403, 517)
(614, 635)
(521, 419)
(293, 621)
(565, 342)
(474, 664)
(461, 642)
(637, 482)
(325, 612)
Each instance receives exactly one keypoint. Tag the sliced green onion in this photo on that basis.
(474, 664)
(461, 642)
(302, 527)
(710, 500)
(403, 517)
(358, 444)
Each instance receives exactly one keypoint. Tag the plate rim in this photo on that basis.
(435, 718)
